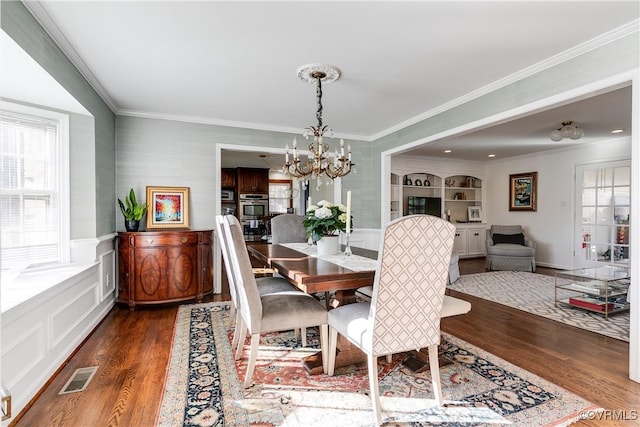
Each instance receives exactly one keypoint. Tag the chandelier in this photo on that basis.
(568, 130)
(320, 162)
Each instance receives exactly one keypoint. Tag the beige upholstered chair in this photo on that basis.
(266, 285)
(509, 249)
(272, 312)
(288, 228)
(407, 302)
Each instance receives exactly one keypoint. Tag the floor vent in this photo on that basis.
(79, 380)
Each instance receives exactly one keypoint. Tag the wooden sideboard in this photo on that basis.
(157, 267)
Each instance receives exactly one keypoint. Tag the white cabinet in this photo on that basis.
(469, 240)
(476, 237)
(460, 241)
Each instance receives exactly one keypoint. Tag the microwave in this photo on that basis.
(226, 195)
(253, 209)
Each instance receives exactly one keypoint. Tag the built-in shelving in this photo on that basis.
(447, 196)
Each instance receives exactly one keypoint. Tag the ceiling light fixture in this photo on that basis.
(318, 162)
(568, 130)
(617, 131)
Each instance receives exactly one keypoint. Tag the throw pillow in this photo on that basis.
(517, 239)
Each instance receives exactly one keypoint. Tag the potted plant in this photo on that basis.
(132, 211)
(323, 223)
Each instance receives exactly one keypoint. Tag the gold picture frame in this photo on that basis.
(523, 191)
(167, 207)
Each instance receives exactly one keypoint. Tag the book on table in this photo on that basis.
(592, 303)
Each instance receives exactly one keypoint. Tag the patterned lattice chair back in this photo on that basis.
(412, 276)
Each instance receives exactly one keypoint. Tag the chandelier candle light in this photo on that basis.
(318, 163)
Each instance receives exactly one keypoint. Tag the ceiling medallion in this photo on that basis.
(310, 72)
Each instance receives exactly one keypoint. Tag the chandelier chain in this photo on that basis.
(319, 101)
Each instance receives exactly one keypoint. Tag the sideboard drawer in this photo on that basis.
(168, 239)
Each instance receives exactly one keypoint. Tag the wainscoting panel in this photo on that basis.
(17, 342)
(108, 276)
(69, 315)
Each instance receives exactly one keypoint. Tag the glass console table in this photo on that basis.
(599, 289)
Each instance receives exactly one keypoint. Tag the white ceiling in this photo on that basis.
(234, 63)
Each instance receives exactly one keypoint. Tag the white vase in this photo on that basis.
(328, 245)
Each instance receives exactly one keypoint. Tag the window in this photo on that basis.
(604, 207)
(33, 147)
(280, 193)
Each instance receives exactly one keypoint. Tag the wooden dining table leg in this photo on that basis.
(346, 352)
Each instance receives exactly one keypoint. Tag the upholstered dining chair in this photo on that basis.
(508, 248)
(288, 228)
(271, 312)
(266, 285)
(407, 301)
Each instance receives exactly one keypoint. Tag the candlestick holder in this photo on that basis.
(347, 250)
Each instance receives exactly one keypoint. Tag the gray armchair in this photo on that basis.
(509, 249)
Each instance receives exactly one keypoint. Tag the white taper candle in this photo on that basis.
(349, 212)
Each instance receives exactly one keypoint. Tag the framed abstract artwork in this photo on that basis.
(523, 191)
(168, 207)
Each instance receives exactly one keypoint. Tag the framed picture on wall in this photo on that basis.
(168, 207)
(475, 213)
(523, 191)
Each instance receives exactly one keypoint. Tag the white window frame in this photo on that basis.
(289, 200)
(582, 256)
(64, 214)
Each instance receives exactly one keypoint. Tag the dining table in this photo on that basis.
(340, 275)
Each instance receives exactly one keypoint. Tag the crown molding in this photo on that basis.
(227, 123)
(41, 15)
(585, 47)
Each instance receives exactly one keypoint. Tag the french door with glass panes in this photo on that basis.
(602, 221)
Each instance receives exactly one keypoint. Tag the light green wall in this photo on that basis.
(156, 152)
(88, 204)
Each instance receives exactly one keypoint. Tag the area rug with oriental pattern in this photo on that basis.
(202, 386)
(534, 293)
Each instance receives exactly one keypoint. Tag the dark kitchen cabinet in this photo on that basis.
(253, 181)
(228, 178)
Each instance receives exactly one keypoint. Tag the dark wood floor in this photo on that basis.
(132, 351)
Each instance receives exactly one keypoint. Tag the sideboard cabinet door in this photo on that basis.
(150, 279)
(182, 277)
